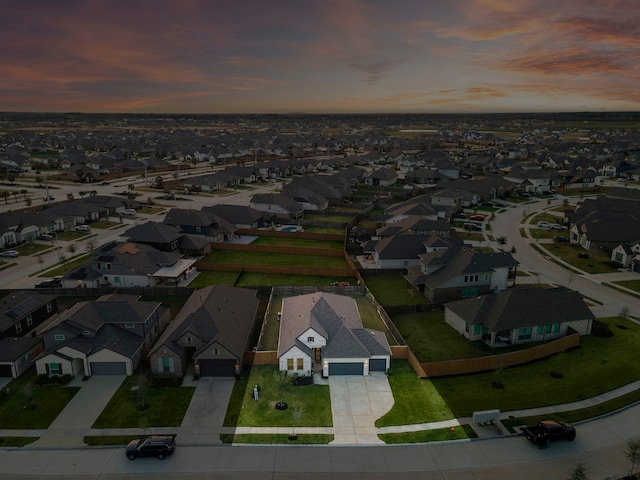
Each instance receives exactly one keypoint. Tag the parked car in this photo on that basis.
(547, 431)
(556, 226)
(132, 179)
(499, 204)
(9, 254)
(45, 236)
(472, 227)
(478, 218)
(560, 239)
(460, 215)
(55, 282)
(152, 446)
(103, 183)
(83, 228)
(48, 198)
(544, 225)
(128, 211)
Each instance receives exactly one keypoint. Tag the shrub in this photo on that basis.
(601, 330)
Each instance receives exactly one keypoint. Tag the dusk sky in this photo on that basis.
(321, 56)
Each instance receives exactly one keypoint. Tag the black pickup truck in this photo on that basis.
(547, 431)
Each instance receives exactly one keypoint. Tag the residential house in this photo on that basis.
(461, 272)
(383, 177)
(627, 255)
(167, 238)
(211, 333)
(127, 264)
(17, 354)
(520, 315)
(324, 332)
(240, 216)
(22, 312)
(198, 222)
(276, 206)
(109, 336)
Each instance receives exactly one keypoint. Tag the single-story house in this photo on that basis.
(323, 332)
(520, 315)
(211, 332)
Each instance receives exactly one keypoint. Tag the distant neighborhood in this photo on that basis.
(421, 194)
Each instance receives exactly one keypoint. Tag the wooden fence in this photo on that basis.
(292, 250)
(493, 362)
(302, 235)
(280, 269)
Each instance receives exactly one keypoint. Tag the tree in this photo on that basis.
(159, 182)
(579, 473)
(633, 454)
(91, 244)
(5, 195)
(71, 248)
(296, 416)
(40, 260)
(39, 180)
(79, 174)
(624, 312)
(11, 178)
(28, 202)
(24, 193)
(502, 240)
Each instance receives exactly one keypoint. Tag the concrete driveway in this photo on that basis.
(72, 424)
(356, 403)
(202, 424)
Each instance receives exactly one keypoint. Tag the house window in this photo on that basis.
(618, 257)
(311, 339)
(524, 333)
(166, 364)
(130, 325)
(29, 320)
(18, 327)
(198, 229)
(216, 351)
(300, 363)
(55, 369)
(116, 280)
(466, 327)
(59, 336)
(289, 363)
(556, 327)
(189, 339)
(547, 328)
(49, 307)
(477, 329)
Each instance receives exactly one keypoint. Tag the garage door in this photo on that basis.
(108, 368)
(217, 368)
(377, 365)
(356, 368)
(5, 371)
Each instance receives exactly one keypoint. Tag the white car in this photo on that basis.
(83, 228)
(544, 225)
(556, 226)
(132, 179)
(128, 211)
(9, 254)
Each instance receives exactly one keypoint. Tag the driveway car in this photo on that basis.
(460, 215)
(49, 198)
(45, 236)
(128, 211)
(543, 225)
(472, 227)
(560, 239)
(152, 446)
(132, 179)
(479, 218)
(55, 282)
(83, 228)
(9, 254)
(556, 226)
(103, 183)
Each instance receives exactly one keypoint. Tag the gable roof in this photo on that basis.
(217, 313)
(521, 307)
(153, 232)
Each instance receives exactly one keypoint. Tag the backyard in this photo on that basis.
(393, 290)
(232, 257)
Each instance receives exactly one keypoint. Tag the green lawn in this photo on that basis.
(208, 277)
(589, 370)
(460, 432)
(598, 261)
(166, 406)
(274, 259)
(298, 242)
(432, 340)
(249, 279)
(415, 400)
(49, 401)
(68, 265)
(312, 403)
(393, 290)
(274, 438)
(630, 284)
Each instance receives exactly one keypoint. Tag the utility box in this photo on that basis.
(484, 417)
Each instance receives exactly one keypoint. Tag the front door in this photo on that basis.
(317, 354)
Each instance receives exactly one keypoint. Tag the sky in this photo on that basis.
(319, 56)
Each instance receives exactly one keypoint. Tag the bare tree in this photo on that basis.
(633, 454)
(579, 473)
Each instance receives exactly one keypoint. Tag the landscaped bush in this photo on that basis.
(600, 329)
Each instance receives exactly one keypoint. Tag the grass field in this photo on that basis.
(298, 242)
(276, 259)
(598, 261)
(393, 290)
